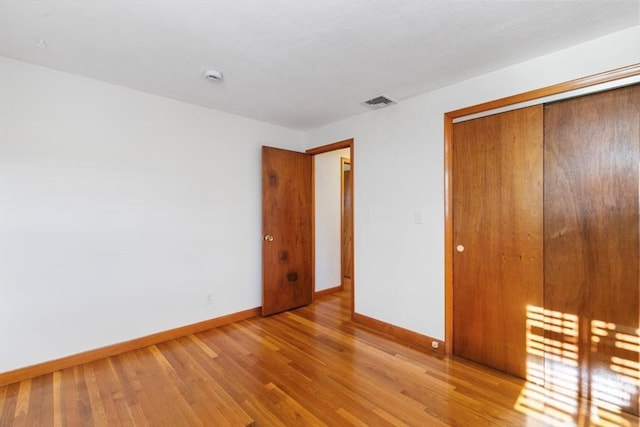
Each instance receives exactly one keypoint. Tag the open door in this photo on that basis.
(287, 226)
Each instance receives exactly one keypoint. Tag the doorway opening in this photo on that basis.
(333, 236)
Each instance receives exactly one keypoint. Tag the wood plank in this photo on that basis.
(22, 403)
(95, 398)
(57, 405)
(8, 402)
(41, 392)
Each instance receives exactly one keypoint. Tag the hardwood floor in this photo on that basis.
(306, 367)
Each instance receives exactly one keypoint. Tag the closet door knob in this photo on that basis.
(460, 248)
(268, 238)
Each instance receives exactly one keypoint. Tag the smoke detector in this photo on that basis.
(379, 102)
(213, 75)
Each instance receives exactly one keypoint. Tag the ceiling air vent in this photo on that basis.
(379, 102)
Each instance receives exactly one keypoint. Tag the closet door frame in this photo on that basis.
(449, 118)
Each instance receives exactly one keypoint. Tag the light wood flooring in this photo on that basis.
(310, 366)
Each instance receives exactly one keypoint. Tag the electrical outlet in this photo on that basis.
(209, 299)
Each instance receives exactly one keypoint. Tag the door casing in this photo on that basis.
(347, 143)
(346, 220)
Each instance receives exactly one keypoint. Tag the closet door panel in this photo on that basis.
(591, 246)
(497, 216)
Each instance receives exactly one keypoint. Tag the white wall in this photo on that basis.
(399, 264)
(120, 212)
(328, 173)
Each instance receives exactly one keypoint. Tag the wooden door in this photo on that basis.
(346, 221)
(287, 221)
(592, 152)
(497, 223)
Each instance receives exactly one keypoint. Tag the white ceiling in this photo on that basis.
(297, 63)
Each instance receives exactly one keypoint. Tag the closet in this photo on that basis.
(546, 244)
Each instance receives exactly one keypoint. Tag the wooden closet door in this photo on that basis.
(497, 220)
(591, 250)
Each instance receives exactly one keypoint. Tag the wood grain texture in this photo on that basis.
(624, 72)
(497, 218)
(22, 374)
(592, 153)
(287, 215)
(346, 221)
(311, 366)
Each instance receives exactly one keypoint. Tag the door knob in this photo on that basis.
(460, 248)
(268, 238)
